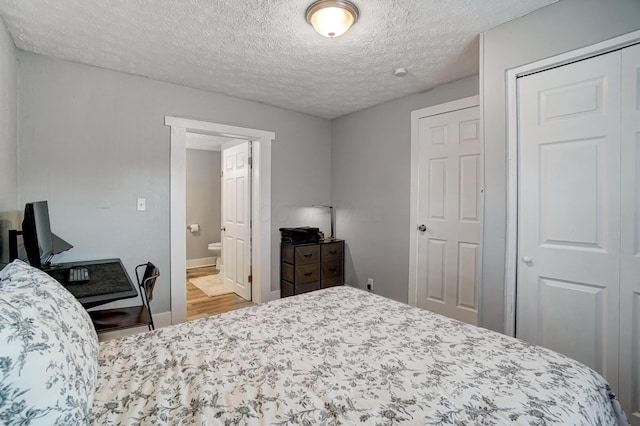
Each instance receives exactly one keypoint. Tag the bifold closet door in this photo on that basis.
(630, 249)
(568, 278)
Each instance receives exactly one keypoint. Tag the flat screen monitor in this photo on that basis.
(36, 233)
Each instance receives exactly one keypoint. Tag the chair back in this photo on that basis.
(148, 281)
(132, 316)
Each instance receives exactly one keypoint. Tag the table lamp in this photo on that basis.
(333, 236)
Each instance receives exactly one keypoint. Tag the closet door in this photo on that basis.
(630, 252)
(568, 275)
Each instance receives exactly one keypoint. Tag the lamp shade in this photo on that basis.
(332, 18)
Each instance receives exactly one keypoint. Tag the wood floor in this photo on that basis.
(199, 305)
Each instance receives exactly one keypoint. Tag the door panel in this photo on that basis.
(236, 218)
(570, 188)
(569, 218)
(449, 204)
(572, 101)
(436, 268)
(562, 302)
(630, 244)
(470, 131)
(468, 263)
(469, 191)
(229, 251)
(437, 188)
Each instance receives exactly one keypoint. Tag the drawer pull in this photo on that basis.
(332, 269)
(308, 274)
(333, 251)
(308, 255)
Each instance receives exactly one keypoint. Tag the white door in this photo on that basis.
(236, 218)
(630, 248)
(449, 207)
(569, 211)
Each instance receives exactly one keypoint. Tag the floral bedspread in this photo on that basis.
(342, 356)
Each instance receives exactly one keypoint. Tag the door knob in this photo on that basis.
(422, 228)
(527, 259)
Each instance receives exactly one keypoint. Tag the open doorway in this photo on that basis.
(258, 260)
(218, 226)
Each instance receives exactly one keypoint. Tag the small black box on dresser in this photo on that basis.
(309, 267)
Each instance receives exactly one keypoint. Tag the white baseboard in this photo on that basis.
(274, 295)
(161, 319)
(198, 263)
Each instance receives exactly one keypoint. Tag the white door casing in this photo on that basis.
(568, 211)
(449, 205)
(261, 208)
(236, 217)
(630, 237)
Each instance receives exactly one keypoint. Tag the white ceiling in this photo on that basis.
(264, 50)
(206, 142)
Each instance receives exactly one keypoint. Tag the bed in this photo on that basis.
(337, 356)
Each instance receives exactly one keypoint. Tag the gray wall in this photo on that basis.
(8, 140)
(91, 141)
(203, 201)
(370, 185)
(561, 27)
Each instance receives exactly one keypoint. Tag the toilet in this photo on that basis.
(216, 249)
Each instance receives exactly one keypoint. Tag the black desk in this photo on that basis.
(108, 281)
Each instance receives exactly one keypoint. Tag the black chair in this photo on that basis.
(135, 316)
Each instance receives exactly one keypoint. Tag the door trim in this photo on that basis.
(260, 208)
(416, 115)
(513, 74)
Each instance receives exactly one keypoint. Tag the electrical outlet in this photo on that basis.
(369, 284)
(141, 204)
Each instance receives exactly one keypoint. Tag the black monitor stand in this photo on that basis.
(59, 245)
(13, 244)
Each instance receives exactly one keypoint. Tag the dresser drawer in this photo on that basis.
(287, 272)
(307, 273)
(307, 254)
(331, 251)
(332, 269)
(287, 254)
(305, 288)
(331, 282)
(286, 289)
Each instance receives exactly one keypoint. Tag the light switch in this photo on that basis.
(142, 204)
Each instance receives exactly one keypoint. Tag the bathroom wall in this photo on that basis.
(203, 201)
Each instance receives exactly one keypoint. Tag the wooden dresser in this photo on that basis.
(309, 267)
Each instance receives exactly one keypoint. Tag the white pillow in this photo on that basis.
(48, 351)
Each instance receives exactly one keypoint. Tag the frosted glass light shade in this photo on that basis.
(332, 18)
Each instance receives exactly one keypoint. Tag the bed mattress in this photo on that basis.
(342, 356)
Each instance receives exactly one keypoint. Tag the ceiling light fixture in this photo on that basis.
(400, 72)
(332, 18)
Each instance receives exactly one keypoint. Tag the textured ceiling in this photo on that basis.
(264, 50)
(206, 142)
